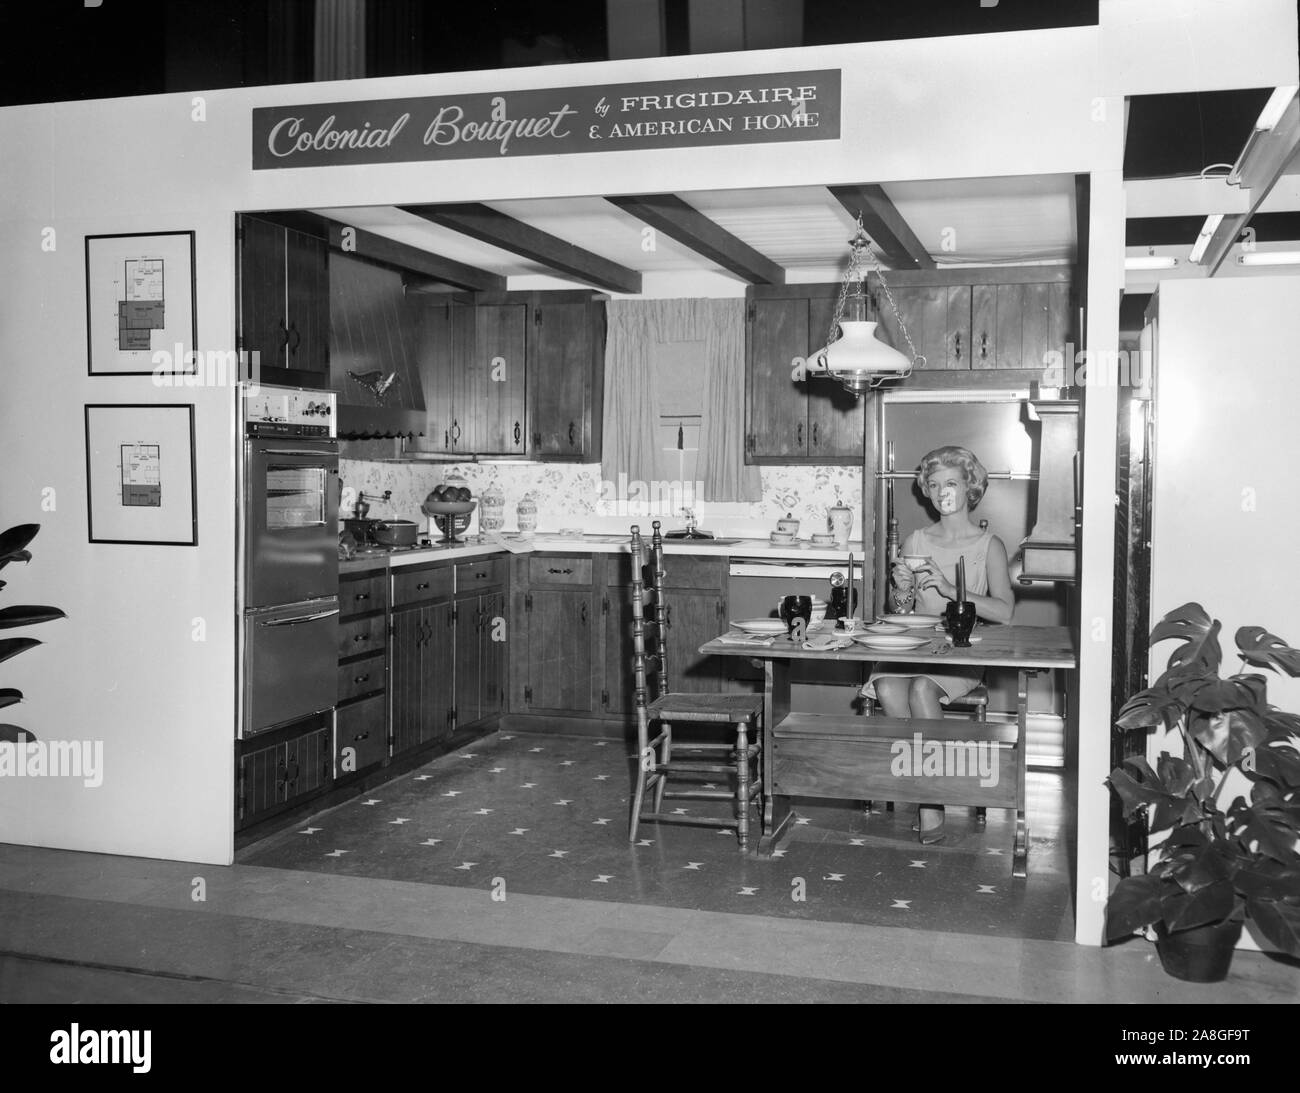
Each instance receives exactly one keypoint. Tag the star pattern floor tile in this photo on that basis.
(548, 816)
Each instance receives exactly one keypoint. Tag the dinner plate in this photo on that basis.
(885, 628)
(760, 626)
(899, 642)
(913, 622)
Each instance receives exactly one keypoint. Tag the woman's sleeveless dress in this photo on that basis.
(952, 684)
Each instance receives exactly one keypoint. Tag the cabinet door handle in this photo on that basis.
(480, 576)
(297, 337)
(798, 436)
(446, 438)
(361, 596)
(362, 735)
(422, 586)
(668, 616)
(814, 434)
(518, 432)
(583, 613)
(984, 346)
(361, 679)
(455, 431)
(956, 345)
(361, 637)
(283, 347)
(553, 570)
(572, 439)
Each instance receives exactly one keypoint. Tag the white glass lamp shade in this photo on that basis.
(857, 358)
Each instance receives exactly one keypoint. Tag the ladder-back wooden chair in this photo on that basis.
(651, 623)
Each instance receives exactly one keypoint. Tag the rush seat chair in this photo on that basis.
(655, 763)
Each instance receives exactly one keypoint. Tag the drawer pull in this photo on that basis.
(361, 679)
(422, 586)
(362, 735)
(480, 576)
(552, 570)
(361, 596)
(362, 637)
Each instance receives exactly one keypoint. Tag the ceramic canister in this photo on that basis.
(526, 514)
(492, 508)
(840, 522)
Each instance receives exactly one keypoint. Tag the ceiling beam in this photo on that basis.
(882, 221)
(1263, 161)
(489, 226)
(688, 226)
(381, 251)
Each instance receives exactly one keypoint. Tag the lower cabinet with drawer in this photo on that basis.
(361, 719)
(448, 649)
(560, 626)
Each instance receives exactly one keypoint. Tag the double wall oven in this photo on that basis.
(289, 577)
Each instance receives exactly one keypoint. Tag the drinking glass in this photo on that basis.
(796, 613)
(960, 620)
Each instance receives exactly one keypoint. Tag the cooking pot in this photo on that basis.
(395, 532)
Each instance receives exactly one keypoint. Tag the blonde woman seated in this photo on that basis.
(953, 482)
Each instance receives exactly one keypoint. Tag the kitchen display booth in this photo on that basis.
(161, 690)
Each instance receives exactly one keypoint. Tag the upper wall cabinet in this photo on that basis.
(474, 373)
(566, 369)
(959, 320)
(790, 420)
(513, 374)
(284, 300)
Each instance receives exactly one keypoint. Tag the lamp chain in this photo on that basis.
(853, 276)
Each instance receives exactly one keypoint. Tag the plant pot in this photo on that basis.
(1202, 954)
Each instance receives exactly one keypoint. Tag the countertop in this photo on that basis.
(603, 544)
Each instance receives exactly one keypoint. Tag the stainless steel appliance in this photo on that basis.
(288, 520)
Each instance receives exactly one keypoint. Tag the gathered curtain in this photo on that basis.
(631, 397)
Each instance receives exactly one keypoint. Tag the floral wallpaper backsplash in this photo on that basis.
(570, 495)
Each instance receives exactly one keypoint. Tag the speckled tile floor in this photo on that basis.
(548, 816)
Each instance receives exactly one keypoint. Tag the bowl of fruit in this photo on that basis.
(450, 506)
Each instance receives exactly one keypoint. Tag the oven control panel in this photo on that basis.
(288, 411)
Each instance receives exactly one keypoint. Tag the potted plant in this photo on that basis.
(1229, 805)
(13, 548)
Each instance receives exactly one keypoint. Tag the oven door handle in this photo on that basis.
(300, 618)
(311, 453)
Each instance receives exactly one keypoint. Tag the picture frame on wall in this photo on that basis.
(140, 474)
(140, 317)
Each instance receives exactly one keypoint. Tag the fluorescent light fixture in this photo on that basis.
(1208, 229)
(1267, 121)
(1151, 261)
(1277, 103)
(1270, 258)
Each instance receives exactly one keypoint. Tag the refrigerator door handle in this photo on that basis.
(300, 618)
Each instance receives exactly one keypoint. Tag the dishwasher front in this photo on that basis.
(754, 590)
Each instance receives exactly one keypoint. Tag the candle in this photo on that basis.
(961, 579)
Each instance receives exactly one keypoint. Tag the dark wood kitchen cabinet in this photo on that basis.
(561, 628)
(282, 768)
(790, 419)
(482, 636)
(474, 372)
(959, 320)
(422, 652)
(361, 718)
(696, 597)
(566, 378)
(284, 301)
(518, 373)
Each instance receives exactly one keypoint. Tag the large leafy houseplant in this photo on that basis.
(13, 548)
(1230, 804)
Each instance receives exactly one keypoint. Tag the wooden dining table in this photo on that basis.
(936, 762)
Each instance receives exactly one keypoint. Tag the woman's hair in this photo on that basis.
(977, 478)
